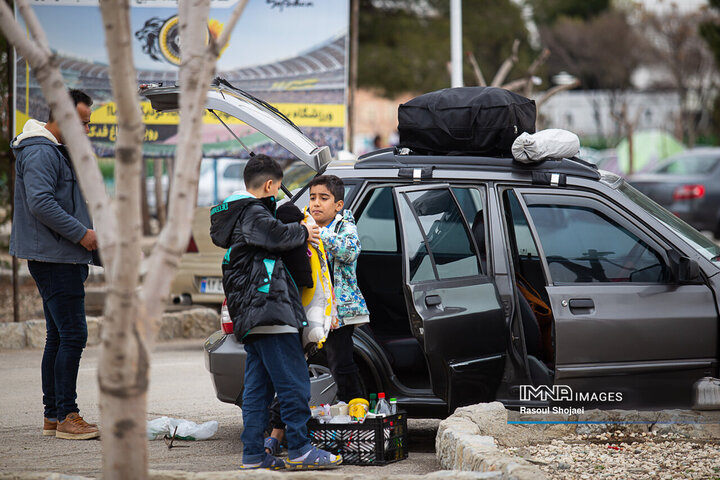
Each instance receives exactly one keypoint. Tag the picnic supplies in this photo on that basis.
(376, 441)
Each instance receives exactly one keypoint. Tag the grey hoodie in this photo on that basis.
(50, 216)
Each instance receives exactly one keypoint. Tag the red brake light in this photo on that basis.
(225, 320)
(688, 192)
(192, 246)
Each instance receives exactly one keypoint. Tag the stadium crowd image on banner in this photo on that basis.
(272, 54)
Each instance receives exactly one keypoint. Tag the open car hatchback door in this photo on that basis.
(454, 307)
(263, 117)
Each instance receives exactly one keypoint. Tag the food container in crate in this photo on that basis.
(377, 441)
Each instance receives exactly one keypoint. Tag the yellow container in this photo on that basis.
(358, 408)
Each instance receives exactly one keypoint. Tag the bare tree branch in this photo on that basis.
(555, 90)
(507, 65)
(33, 25)
(517, 84)
(216, 45)
(540, 60)
(476, 68)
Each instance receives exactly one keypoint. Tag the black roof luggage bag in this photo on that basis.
(477, 120)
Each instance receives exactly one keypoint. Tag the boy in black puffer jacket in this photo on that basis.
(264, 304)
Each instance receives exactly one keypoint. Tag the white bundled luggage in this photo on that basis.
(550, 143)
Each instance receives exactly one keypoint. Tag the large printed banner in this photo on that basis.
(290, 53)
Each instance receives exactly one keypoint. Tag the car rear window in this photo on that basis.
(690, 165)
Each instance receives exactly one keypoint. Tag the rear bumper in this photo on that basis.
(225, 360)
(193, 268)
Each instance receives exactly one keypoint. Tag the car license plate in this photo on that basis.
(211, 285)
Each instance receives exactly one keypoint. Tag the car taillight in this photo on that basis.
(225, 320)
(688, 192)
(192, 246)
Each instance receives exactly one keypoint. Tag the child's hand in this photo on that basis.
(313, 233)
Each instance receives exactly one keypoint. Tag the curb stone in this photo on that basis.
(11, 335)
(198, 322)
(268, 475)
(40, 476)
(461, 444)
(469, 439)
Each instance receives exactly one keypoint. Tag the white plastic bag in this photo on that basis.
(186, 430)
(550, 143)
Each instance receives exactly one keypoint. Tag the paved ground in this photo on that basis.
(180, 387)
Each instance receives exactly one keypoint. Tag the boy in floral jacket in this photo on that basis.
(342, 246)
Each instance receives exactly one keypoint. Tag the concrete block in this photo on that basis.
(35, 333)
(94, 325)
(12, 335)
(171, 326)
(200, 322)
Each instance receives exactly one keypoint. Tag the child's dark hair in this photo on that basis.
(334, 185)
(259, 169)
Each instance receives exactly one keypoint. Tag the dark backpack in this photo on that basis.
(477, 120)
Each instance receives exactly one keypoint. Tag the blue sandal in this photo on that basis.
(269, 463)
(273, 445)
(315, 460)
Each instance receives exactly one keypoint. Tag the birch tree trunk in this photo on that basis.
(131, 314)
(124, 367)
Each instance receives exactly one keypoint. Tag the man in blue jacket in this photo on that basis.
(52, 229)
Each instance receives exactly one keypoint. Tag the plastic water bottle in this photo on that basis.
(383, 407)
(393, 406)
(373, 402)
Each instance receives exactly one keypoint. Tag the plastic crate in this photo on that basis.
(377, 441)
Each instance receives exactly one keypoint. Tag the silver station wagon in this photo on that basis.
(487, 279)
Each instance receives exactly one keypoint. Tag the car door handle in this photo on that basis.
(581, 305)
(433, 300)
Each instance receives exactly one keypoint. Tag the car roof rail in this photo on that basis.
(394, 157)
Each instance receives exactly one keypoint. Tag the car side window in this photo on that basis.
(376, 223)
(234, 170)
(471, 203)
(436, 238)
(583, 244)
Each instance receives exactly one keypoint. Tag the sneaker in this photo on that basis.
(75, 428)
(49, 427)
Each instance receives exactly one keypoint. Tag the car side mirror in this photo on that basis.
(685, 270)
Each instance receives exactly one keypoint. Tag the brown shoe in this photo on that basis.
(49, 427)
(75, 428)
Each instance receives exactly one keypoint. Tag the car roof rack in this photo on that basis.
(394, 157)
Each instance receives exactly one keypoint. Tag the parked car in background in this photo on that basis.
(450, 246)
(687, 184)
(219, 177)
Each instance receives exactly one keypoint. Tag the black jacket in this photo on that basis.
(259, 290)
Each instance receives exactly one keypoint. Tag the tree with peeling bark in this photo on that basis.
(132, 309)
(524, 84)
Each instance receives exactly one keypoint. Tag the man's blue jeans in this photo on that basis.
(62, 289)
(275, 364)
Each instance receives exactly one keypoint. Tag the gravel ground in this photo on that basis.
(638, 456)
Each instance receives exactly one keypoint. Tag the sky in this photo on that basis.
(268, 31)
